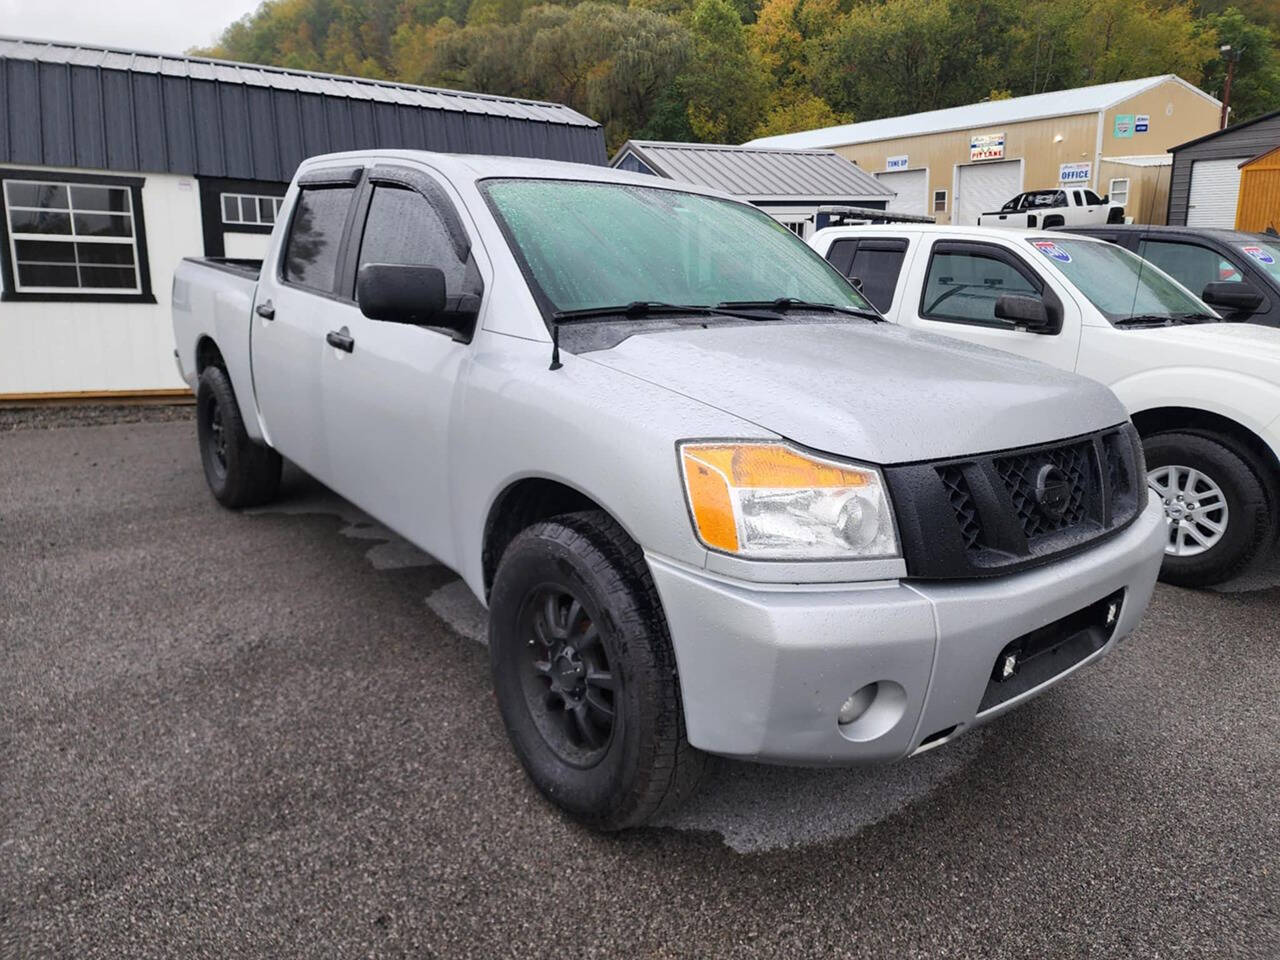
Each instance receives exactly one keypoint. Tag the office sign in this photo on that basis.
(1141, 123)
(896, 163)
(1123, 128)
(986, 146)
(1074, 172)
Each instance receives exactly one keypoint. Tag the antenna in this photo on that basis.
(555, 346)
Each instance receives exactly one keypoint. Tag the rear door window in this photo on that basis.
(876, 266)
(315, 237)
(963, 285)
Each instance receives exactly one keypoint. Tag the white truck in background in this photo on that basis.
(1204, 394)
(1061, 207)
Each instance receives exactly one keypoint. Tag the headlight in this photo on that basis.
(768, 501)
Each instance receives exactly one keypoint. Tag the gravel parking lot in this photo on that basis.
(272, 734)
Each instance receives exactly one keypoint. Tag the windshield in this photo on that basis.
(590, 245)
(1119, 283)
(1265, 254)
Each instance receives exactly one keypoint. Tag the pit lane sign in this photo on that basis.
(986, 146)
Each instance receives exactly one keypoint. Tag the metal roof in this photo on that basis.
(990, 113)
(1149, 160)
(758, 173)
(84, 106)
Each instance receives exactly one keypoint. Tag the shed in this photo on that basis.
(789, 185)
(1259, 206)
(172, 156)
(1204, 187)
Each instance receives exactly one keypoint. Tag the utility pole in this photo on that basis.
(1233, 57)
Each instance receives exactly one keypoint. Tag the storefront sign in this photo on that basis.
(1141, 123)
(1074, 172)
(896, 163)
(1124, 126)
(986, 146)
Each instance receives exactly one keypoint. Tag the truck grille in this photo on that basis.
(997, 513)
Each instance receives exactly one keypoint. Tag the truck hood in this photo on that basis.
(873, 392)
(1244, 348)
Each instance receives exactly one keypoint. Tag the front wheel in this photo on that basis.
(585, 674)
(1215, 506)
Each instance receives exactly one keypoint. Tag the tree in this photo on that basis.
(791, 110)
(725, 86)
(1125, 39)
(1255, 85)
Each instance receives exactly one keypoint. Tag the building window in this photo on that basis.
(253, 209)
(74, 239)
(939, 201)
(1119, 191)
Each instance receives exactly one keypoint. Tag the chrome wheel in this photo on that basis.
(1195, 509)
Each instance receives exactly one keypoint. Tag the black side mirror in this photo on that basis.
(401, 293)
(1025, 311)
(1237, 296)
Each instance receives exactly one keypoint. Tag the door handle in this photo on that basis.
(340, 340)
(265, 310)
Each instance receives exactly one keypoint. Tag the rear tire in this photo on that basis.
(1208, 544)
(585, 674)
(240, 472)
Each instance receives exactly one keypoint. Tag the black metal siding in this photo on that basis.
(1244, 142)
(65, 115)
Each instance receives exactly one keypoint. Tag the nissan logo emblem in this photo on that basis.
(1053, 491)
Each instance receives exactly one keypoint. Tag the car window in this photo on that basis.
(1190, 264)
(1012, 205)
(590, 245)
(315, 236)
(964, 286)
(876, 266)
(403, 227)
(1265, 254)
(840, 255)
(1091, 198)
(1116, 281)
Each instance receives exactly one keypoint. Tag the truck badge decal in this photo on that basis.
(1259, 254)
(1053, 491)
(1052, 250)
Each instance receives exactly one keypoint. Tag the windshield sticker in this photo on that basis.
(1052, 250)
(1259, 254)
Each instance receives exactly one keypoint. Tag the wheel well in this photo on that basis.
(1053, 221)
(522, 504)
(1166, 419)
(208, 355)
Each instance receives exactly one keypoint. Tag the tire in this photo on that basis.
(573, 600)
(1247, 519)
(240, 472)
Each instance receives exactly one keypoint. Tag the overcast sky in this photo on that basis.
(164, 26)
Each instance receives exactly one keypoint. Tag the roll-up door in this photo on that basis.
(912, 188)
(985, 187)
(1215, 188)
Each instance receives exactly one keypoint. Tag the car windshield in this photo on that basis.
(1120, 284)
(1265, 254)
(588, 246)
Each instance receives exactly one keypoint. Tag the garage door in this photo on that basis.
(983, 187)
(912, 188)
(1215, 188)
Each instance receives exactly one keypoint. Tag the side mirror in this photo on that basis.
(401, 293)
(857, 283)
(1024, 311)
(1237, 296)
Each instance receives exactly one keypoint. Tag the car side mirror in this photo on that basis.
(415, 295)
(1232, 295)
(1025, 311)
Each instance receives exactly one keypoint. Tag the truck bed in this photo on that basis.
(243, 268)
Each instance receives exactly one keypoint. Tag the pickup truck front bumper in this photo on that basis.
(765, 669)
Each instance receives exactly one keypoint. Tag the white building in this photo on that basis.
(114, 165)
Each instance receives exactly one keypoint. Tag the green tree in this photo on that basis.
(726, 87)
(1255, 85)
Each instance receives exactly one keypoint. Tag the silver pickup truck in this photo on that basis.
(713, 503)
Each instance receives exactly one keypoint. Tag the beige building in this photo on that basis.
(956, 163)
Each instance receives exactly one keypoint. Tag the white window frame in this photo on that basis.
(935, 208)
(73, 238)
(1111, 191)
(256, 198)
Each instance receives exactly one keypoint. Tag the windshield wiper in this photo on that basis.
(783, 304)
(636, 308)
(1199, 318)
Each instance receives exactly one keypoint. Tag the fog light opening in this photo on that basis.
(857, 704)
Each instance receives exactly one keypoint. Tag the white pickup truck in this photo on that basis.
(1204, 394)
(1062, 207)
(713, 502)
